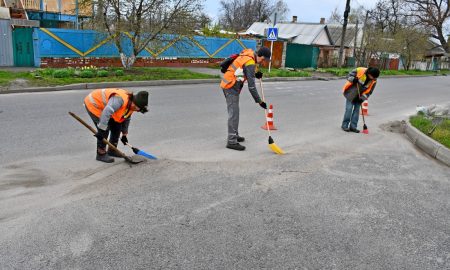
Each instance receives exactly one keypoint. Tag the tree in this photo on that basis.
(433, 13)
(411, 43)
(144, 22)
(238, 15)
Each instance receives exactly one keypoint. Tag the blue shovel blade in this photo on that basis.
(142, 153)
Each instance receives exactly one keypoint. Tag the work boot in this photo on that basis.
(103, 156)
(345, 129)
(112, 152)
(240, 139)
(236, 146)
(354, 130)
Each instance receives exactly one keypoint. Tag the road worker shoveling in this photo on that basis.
(110, 109)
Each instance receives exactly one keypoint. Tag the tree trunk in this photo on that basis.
(127, 61)
(442, 39)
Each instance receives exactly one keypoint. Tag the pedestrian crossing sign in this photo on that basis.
(272, 34)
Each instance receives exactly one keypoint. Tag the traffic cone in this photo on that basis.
(269, 123)
(365, 108)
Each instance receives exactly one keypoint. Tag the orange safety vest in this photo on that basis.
(96, 101)
(229, 79)
(361, 75)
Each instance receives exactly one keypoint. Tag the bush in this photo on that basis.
(61, 73)
(119, 72)
(87, 74)
(102, 73)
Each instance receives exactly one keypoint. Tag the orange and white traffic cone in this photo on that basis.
(269, 123)
(365, 108)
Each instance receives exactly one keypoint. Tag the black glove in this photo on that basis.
(263, 105)
(258, 75)
(355, 80)
(363, 97)
(124, 140)
(101, 134)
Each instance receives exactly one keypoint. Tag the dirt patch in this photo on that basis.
(394, 126)
(18, 84)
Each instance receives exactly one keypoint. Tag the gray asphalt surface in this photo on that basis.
(336, 200)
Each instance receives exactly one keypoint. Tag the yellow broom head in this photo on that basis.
(275, 147)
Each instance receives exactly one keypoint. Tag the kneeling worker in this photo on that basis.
(241, 69)
(111, 109)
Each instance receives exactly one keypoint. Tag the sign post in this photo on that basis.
(272, 35)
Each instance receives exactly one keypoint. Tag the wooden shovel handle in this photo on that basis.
(104, 140)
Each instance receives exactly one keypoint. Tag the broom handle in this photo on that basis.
(265, 110)
(359, 94)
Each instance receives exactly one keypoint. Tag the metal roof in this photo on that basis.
(336, 34)
(300, 33)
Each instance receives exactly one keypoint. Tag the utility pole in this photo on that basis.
(355, 43)
(344, 29)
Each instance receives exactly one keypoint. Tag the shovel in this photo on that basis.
(272, 144)
(127, 158)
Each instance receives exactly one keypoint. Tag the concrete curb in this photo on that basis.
(173, 82)
(428, 145)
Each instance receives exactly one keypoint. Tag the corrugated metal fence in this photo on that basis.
(6, 49)
(51, 42)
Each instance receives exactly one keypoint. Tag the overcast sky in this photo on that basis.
(305, 10)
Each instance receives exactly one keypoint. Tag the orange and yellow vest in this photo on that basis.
(96, 101)
(229, 78)
(361, 75)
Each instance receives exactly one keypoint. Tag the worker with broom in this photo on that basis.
(110, 109)
(242, 69)
(358, 88)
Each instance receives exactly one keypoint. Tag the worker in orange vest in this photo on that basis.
(242, 69)
(359, 86)
(110, 109)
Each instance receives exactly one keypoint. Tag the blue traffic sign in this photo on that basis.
(272, 34)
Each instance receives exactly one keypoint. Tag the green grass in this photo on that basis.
(6, 77)
(440, 134)
(274, 72)
(46, 77)
(344, 71)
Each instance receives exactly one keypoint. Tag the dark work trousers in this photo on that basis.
(232, 99)
(113, 127)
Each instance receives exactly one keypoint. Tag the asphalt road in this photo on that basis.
(336, 200)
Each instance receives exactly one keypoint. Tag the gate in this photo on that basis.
(23, 47)
(6, 49)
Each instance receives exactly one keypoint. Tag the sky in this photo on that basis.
(305, 10)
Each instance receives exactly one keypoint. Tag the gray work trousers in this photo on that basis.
(232, 99)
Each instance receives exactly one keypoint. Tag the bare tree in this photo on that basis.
(144, 22)
(238, 15)
(433, 13)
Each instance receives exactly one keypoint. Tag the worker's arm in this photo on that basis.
(351, 77)
(114, 104)
(249, 72)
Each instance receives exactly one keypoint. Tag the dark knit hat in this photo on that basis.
(140, 99)
(264, 51)
(375, 72)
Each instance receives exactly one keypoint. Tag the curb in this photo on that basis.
(79, 86)
(428, 145)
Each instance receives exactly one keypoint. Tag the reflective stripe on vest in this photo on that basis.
(361, 75)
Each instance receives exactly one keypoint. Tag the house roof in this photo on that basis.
(299, 33)
(435, 47)
(350, 34)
